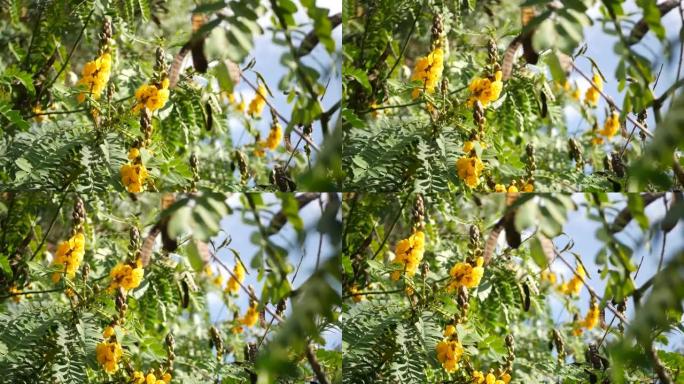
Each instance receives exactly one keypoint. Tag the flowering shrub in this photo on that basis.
(513, 288)
(168, 288)
(511, 96)
(194, 87)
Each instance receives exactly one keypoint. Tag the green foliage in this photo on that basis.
(514, 320)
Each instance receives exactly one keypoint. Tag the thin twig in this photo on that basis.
(52, 224)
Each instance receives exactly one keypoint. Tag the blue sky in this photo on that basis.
(600, 48)
(583, 232)
(267, 57)
(287, 238)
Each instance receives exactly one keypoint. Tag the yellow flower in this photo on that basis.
(592, 95)
(592, 317)
(428, 70)
(236, 330)
(491, 379)
(251, 317)
(94, 76)
(69, 256)
(231, 98)
(151, 379)
(574, 286)
(529, 187)
(468, 146)
(506, 378)
(257, 104)
(576, 94)
(549, 276)
(449, 353)
(37, 110)
(597, 140)
(354, 291)
(478, 377)
(273, 139)
(108, 332)
(13, 289)
(166, 378)
(241, 106)
(126, 276)
(108, 355)
(409, 253)
(449, 330)
(469, 169)
(499, 188)
(512, 189)
(611, 126)
(466, 275)
(151, 96)
(138, 377)
(133, 176)
(485, 90)
(218, 280)
(233, 283)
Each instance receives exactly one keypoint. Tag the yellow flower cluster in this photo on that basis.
(449, 353)
(126, 276)
(257, 104)
(274, 136)
(134, 173)
(151, 96)
(409, 253)
(69, 256)
(485, 89)
(549, 276)
(355, 294)
(108, 355)
(528, 187)
(140, 378)
(611, 126)
(466, 275)
(469, 168)
(591, 97)
(251, 317)
(428, 69)
(574, 286)
(480, 378)
(234, 282)
(592, 317)
(95, 75)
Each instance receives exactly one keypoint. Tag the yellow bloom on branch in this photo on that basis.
(592, 317)
(466, 275)
(108, 355)
(126, 276)
(485, 89)
(234, 282)
(409, 253)
(428, 70)
(134, 174)
(151, 96)
(69, 256)
(251, 317)
(478, 377)
(449, 353)
(257, 104)
(94, 76)
(591, 97)
(469, 169)
(574, 286)
(611, 126)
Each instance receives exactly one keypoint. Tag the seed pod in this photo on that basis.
(216, 341)
(195, 172)
(78, 213)
(437, 31)
(134, 243)
(146, 126)
(493, 53)
(419, 213)
(618, 165)
(478, 115)
(242, 165)
(560, 345)
(576, 153)
(641, 118)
